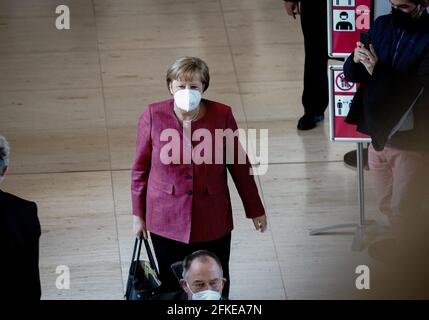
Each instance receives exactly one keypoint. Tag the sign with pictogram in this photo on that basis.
(341, 94)
(346, 20)
(341, 84)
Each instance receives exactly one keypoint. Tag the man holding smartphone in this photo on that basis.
(392, 106)
(315, 97)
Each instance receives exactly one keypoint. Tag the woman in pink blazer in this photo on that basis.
(184, 202)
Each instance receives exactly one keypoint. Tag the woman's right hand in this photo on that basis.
(139, 227)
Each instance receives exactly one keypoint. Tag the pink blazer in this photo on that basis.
(187, 202)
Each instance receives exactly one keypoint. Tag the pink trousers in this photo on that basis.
(401, 181)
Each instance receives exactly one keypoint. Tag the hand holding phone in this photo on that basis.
(365, 39)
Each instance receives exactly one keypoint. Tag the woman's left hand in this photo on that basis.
(260, 223)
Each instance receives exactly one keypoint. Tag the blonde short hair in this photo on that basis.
(185, 69)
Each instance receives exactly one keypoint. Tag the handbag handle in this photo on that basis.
(149, 254)
(133, 258)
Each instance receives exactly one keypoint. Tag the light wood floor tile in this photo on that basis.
(64, 194)
(55, 130)
(274, 62)
(41, 71)
(161, 31)
(227, 93)
(124, 105)
(250, 27)
(39, 35)
(313, 189)
(248, 244)
(43, 8)
(58, 150)
(149, 66)
(272, 101)
(287, 144)
(256, 280)
(145, 7)
(300, 197)
(51, 110)
(88, 246)
(309, 278)
(122, 147)
(241, 5)
(76, 213)
(122, 192)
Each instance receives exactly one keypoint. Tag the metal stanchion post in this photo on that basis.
(359, 236)
(361, 183)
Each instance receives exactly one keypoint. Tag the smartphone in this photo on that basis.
(365, 38)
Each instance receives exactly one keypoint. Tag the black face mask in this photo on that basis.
(404, 20)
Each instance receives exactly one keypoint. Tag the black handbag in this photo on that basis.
(143, 276)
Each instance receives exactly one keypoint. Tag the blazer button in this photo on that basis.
(189, 177)
(189, 192)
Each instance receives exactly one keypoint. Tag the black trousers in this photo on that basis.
(315, 97)
(169, 251)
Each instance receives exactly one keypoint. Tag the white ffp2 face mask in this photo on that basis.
(205, 295)
(187, 99)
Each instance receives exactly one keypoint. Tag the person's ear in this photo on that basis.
(183, 285)
(170, 86)
(223, 282)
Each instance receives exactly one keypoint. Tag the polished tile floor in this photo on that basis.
(69, 104)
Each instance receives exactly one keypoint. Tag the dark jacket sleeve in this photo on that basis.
(33, 247)
(355, 72)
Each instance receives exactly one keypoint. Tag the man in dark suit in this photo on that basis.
(391, 105)
(19, 238)
(315, 96)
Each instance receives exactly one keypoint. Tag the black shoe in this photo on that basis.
(350, 158)
(308, 122)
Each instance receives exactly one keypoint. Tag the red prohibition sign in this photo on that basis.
(342, 83)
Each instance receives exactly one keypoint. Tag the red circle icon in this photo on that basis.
(342, 84)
